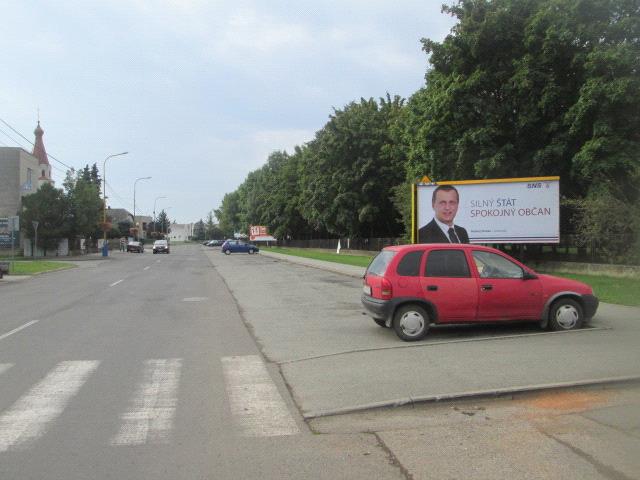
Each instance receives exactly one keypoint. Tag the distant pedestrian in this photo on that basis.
(123, 244)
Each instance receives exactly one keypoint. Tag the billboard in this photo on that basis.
(9, 231)
(507, 210)
(260, 233)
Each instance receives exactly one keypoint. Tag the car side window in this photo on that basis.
(447, 263)
(409, 265)
(492, 265)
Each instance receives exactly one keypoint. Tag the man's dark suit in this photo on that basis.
(432, 233)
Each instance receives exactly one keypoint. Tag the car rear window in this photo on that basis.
(447, 263)
(409, 265)
(380, 263)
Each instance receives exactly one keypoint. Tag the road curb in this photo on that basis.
(473, 394)
(339, 268)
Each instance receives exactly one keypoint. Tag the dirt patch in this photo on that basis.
(568, 401)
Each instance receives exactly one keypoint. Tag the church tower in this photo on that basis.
(41, 154)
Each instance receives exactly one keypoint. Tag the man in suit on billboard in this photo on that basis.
(441, 229)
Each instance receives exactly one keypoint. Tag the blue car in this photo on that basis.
(238, 246)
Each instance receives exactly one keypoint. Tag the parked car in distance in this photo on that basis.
(135, 246)
(160, 246)
(214, 243)
(238, 246)
(411, 287)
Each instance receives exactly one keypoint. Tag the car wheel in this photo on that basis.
(381, 323)
(154, 252)
(251, 251)
(411, 323)
(227, 252)
(566, 314)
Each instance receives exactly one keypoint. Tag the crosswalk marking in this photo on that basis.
(256, 404)
(29, 417)
(153, 405)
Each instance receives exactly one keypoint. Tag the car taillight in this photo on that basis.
(386, 290)
(366, 288)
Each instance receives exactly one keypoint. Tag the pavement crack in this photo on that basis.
(393, 460)
(601, 468)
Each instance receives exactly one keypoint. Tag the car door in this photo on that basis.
(503, 291)
(447, 283)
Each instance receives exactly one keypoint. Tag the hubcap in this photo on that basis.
(412, 323)
(567, 316)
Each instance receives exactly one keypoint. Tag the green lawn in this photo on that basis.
(621, 291)
(357, 260)
(32, 267)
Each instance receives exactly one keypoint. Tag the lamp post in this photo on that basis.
(135, 225)
(105, 247)
(154, 213)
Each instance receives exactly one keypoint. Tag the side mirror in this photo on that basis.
(529, 276)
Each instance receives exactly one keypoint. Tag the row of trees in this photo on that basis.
(518, 88)
(75, 212)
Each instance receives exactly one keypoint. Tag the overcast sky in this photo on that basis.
(198, 92)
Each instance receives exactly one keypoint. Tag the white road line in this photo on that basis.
(116, 283)
(16, 330)
(28, 418)
(195, 299)
(4, 367)
(147, 268)
(153, 406)
(256, 405)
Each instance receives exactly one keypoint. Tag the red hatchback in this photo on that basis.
(410, 287)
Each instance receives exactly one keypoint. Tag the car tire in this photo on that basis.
(154, 252)
(411, 322)
(566, 314)
(227, 252)
(251, 250)
(380, 322)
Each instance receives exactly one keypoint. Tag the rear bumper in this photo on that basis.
(378, 309)
(590, 304)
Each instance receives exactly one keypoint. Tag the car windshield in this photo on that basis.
(379, 264)
(160, 242)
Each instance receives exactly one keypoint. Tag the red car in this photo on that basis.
(411, 287)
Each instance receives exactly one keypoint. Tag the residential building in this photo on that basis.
(22, 173)
(181, 232)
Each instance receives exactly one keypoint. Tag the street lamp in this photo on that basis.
(154, 213)
(105, 248)
(135, 225)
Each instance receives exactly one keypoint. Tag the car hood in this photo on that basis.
(551, 282)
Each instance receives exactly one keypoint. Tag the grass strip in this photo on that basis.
(621, 291)
(356, 260)
(33, 267)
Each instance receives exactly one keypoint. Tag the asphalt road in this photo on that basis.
(141, 367)
(201, 365)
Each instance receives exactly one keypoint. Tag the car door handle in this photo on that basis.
(432, 288)
(484, 288)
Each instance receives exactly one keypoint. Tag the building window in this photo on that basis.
(29, 183)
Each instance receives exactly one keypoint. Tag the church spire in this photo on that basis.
(38, 147)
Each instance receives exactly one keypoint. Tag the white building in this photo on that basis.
(180, 232)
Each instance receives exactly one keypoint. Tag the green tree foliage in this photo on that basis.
(49, 206)
(350, 170)
(85, 204)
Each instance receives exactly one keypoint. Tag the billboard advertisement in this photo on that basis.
(9, 231)
(260, 233)
(508, 210)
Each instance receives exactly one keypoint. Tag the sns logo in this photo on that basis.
(534, 185)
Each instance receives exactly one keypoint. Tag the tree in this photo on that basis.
(350, 171)
(199, 231)
(533, 88)
(163, 222)
(50, 208)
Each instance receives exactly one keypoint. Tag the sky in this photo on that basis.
(199, 92)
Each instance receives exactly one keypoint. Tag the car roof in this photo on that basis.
(439, 246)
